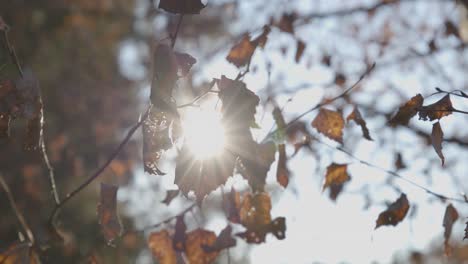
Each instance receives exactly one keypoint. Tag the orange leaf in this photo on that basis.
(160, 244)
(194, 247)
(335, 178)
(286, 23)
(182, 6)
(437, 110)
(282, 172)
(450, 217)
(330, 123)
(357, 117)
(437, 137)
(395, 213)
(107, 212)
(407, 111)
(242, 52)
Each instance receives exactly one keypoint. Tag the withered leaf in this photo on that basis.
(450, 217)
(399, 163)
(202, 176)
(223, 241)
(330, 123)
(357, 117)
(182, 6)
(340, 79)
(107, 212)
(282, 172)
(407, 111)
(286, 23)
(437, 136)
(231, 206)
(160, 244)
(194, 247)
(255, 216)
(300, 47)
(170, 195)
(180, 237)
(241, 53)
(254, 165)
(395, 213)
(262, 39)
(336, 176)
(185, 62)
(278, 227)
(437, 110)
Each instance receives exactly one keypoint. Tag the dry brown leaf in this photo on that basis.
(437, 136)
(223, 241)
(336, 176)
(160, 244)
(399, 163)
(185, 62)
(107, 212)
(194, 247)
(395, 213)
(261, 40)
(232, 205)
(255, 164)
(286, 23)
(300, 47)
(407, 111)
(241, 53)
(357, 117)
(450, 217)
(182, 6)
(437, 110)
(330, 123)
(282, 172)
(340, 79)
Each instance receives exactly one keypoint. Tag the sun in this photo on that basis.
(204, 133)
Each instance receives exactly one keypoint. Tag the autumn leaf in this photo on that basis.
(196, 240)
(185, 62)
(19, 253)
(179, 239)
(262, 39)
(450, 217)
(437, 110)
(437, 137)
(330, 123)
(170, 195)
(357, 117)
(282, 172)
(254, 165)
(160, 244)
(395, 213)
(182, 6)
(278, 227)
(241, 53)
(223, 241)
(340, 79)
(336, 176)
(107, 212)
(300, 47)
(232, 205)
(407, 111)
(399, 163)
(286, 23)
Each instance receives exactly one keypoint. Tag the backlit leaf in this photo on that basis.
(241, 53)
(407, 111)
(182, 6)
(170, 195)
(196, 240)
(330, 123)
(179, 239)
(357, 117)
(107, 212)
(395, 213)
(262, 39)
(450, 217)
(437, 110)
(300, 47)
(185, 62)
(286, 23)
(282, 172)
(223, 241)
(254, 165)
(336, 176)
(160, 244)
(437, 137)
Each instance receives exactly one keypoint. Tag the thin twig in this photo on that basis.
(391, 173)
(112, 156)
(368, 71)
(210, 87)
(18, 214)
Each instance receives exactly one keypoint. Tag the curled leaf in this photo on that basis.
(182, 6)
(407, 111)
(450, 217)
(357, 117)
(437, 137)
(160, 244)
(437, 110)
(395, 213)
(196, 240)
(337, 175)
(330, 123)
(107, 212)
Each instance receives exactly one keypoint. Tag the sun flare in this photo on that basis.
(204, 133)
